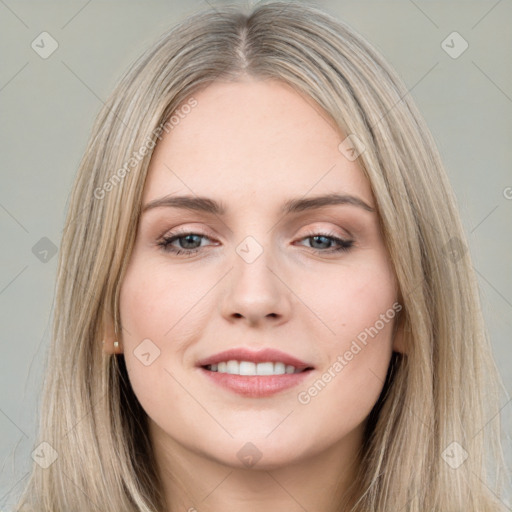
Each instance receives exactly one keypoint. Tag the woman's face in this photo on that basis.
(265, 265)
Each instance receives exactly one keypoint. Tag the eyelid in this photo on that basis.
(187, 230)
(325, 232)
(310, 231)
(337, 231)
(318, 225)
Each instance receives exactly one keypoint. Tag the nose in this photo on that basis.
(256, 293)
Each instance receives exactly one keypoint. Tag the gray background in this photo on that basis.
(48, 106)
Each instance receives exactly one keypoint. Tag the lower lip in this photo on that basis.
(256, 386)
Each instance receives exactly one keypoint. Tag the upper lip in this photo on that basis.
(260, 356)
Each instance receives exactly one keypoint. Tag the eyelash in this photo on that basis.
(166, 241)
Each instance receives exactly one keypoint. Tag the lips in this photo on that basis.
(255, 386)
(260, 356)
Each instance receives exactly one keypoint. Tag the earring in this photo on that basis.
(116, 342)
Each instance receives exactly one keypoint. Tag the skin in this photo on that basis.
(254, 144)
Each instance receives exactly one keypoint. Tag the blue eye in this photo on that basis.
(330, 240)
(190, 243)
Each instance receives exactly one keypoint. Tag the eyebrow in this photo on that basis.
(207, 205)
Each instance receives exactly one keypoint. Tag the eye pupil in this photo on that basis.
(189, 239)
(326, 240)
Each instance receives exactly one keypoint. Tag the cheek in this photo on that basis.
(159, 322)
(145, 352)
(359, 307)
(155, 302)
(353, 300)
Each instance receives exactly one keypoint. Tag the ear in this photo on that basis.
(399, 344)
(109, 336)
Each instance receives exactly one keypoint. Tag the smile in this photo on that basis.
(250, 368)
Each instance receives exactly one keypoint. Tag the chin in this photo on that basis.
(261, 453)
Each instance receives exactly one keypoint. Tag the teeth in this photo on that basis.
(244, 368)
(290, 368)
(233, 367)
(280, 368)
(249, 368)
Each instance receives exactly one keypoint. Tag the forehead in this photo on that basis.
(253, 138)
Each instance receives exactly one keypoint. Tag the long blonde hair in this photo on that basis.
(440, 402)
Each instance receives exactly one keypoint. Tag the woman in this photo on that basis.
(264, 297)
